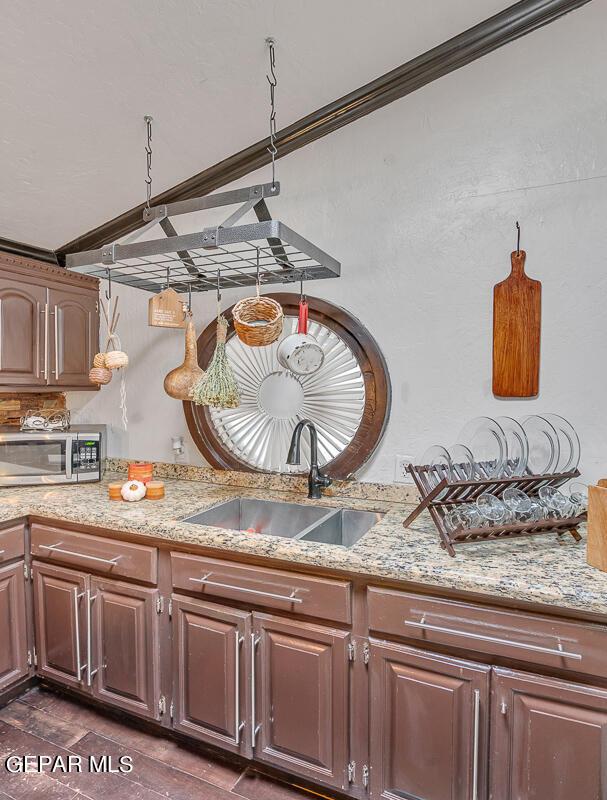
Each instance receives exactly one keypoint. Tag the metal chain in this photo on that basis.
(148, 155)
(273, 82)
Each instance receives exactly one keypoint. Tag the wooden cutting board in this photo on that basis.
(517, 310)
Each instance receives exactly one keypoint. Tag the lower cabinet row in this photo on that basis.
(280, 690)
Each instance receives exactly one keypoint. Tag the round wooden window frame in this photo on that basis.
(378, 390)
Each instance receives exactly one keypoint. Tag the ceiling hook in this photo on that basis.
(168, 277)
(518, 239)
(190, 297)
(108, 291)
(219, 285)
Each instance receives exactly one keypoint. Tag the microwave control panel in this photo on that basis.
(87, 457)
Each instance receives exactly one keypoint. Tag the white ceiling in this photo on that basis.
(77, 76)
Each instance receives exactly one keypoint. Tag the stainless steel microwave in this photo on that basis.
(49, 457)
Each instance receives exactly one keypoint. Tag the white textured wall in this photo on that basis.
(418, 201)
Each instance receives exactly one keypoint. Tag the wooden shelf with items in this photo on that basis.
(440, 498)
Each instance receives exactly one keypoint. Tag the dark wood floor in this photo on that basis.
(42, 722)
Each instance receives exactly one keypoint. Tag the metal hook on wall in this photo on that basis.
(189, 298)
(518, 238)
(108, 291)
(168, 277)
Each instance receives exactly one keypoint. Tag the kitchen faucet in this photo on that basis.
(316, 480)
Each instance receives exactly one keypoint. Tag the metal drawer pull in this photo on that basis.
(79, 665)
(287, 598)
(475, 742)
(90, 673)
(495, 640)
(54, 548)
(254, 727)
(238, 724)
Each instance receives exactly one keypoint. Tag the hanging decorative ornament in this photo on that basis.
(100, 376)
(113, 357)
(218, 387)
(180, 381)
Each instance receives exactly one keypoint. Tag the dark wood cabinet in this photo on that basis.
(211, 646)
(124, 654)
(60, 623)
(13, 625)
(22, 333)
(300, 698)
(334, 706)
(549, 739)
(428, 725)
(74, 338)
(49, 326)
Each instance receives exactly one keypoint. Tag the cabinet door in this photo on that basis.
(300, 686)
(549, 739)
(22, 333)
(60, 618)
(125, 665)
(428, 725)
(13, 631)
(211, 646)
(74, 321)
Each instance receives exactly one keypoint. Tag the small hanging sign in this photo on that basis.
(166, 310)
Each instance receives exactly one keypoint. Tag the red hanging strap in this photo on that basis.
(302, 324)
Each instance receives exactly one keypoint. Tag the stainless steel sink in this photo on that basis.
(289, 520)
(344, 527)
(261, 516)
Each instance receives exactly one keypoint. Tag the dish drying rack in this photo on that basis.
(440, 498)
(221, 257)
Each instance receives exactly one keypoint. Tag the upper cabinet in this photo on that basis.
(49, 326)
(74, 341)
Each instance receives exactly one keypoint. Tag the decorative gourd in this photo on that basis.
(178, 383)
(133, 490)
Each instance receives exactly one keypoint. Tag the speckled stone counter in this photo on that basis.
(541, 570)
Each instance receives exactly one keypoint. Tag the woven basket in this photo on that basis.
(258, 320)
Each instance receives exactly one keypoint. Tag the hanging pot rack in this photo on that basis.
(222, 257)
(228, 255)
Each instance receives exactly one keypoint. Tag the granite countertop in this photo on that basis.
(542, 569)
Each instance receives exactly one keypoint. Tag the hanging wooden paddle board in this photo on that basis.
(517, 304)
(166, 310)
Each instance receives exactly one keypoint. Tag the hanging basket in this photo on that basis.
(258, 320)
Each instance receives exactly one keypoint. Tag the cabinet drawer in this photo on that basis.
(524, 637)
(272, 588)
(94, 553)
(12, 543)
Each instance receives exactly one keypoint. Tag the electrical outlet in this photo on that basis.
(400, 469)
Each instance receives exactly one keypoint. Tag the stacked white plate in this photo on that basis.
(505, 447)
